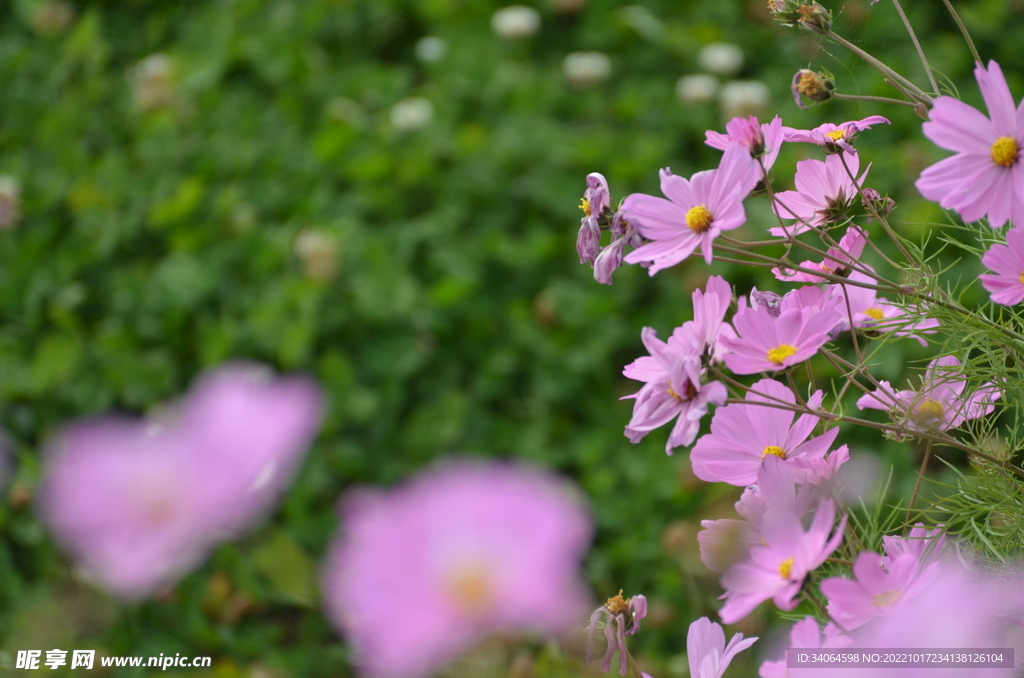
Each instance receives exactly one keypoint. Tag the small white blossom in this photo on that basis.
(721, 58)
(586, 68)
(431, 49)
(697, 89)
(741, 98)
(412, 114)
(515, 22)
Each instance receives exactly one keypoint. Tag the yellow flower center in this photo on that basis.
(1004, 151)
(875, 313)
(698, 218)
(1021, 278)
(779, 354)
(836, 134)
(774, 451)
(785, 567)
(807, 84)
(930, 409)
(585, 206)
(617, 604)
(471, 590)
(887, 599)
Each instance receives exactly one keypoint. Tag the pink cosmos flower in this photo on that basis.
(777, 569)
(673, 388)
(838, 260)
(726, 542)
(767, 343)
(696, 211)
(985, 178)
(707, 652)
(763, 141)
(709, 310)
(806, 634)
(880, 587)
(824, 193)
(743, 435)
(940, 404)
(871, 312)
(1006, 285)
(138, 504)
(833, 138)
(422, 572)
(922, 543)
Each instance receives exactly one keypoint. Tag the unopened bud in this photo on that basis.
(816, 86)
(785, 11)
(815, 17)
(770, 301)
(882, 204)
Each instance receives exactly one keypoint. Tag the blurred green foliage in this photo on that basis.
(203, 181)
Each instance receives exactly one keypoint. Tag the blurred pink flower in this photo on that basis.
(871, 312)
(881, 586)
(1006, 285)
(137, 504)
(743, 435)
(707, 652)
(768, 344)
(824, 193)
(777, 569)
(940, 404)
(805, 634)
(985, 178)
(838, 260)
(762, 140)
(833, 138)
(696, 211)
(420, 573)
(673, 388)
(922, 543)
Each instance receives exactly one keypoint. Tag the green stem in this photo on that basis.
(963, 30)
(917, 46)
(877, 100)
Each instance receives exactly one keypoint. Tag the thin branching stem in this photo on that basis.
(963, 30)
(874, 99)
(917, 46)
(913, 89)
(920, 477)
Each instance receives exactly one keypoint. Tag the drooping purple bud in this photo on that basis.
(883, 205)
(816, 86)
(596, 198)
(638, 610)
(588, 242)
(608, 260)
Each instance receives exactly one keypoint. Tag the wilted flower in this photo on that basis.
(621, 617)
(985, 177)
(816, 86)
(411, 114)
(420, 573)
(138, 504)
(583, 69)
(1006, 285)
(741, 98)
(815, 17)
(697, 89)
(720, 58)
(707, 652)
(515, 22)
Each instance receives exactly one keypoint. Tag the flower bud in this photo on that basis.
(883, 205)
(815, 17)
(816, 86)
(770, 301)
(608, 260)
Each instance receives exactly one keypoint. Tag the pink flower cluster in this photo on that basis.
(138, 504)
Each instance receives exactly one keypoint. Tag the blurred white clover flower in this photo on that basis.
(411, 114)
(515, 22)
(152, 82)
(586, 68)
(697, 89)
(431, 49)
(318, 252)
(721, 58)
(741, 98)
